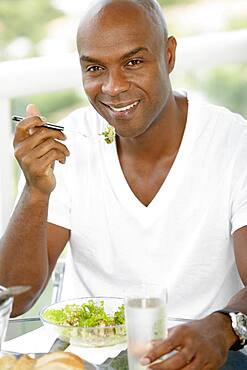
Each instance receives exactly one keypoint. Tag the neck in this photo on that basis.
(163, 138)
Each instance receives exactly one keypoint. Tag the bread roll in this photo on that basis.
(7, 362)
(50, 361)
(24, 363)
(59, 360)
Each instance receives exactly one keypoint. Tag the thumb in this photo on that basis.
(32, 110)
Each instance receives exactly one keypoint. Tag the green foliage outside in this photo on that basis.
(174, 2)
(237, 22)
(223, 85)
(227, 86)
(50, 105)
(25, 18)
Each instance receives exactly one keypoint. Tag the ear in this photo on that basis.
(171, 46)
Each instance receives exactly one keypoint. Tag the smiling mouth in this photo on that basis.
(123, 108)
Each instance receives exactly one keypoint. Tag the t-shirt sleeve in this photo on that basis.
(59, 210)
(239, 194)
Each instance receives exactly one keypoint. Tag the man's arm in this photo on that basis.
(204, 344)
(240, 248)
(29, 248)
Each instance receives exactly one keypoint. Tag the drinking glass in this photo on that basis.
(5, 311)
(146, 320)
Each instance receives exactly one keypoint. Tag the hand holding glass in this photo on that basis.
(146, 320)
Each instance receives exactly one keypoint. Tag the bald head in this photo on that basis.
(152, 8)
(155, 13)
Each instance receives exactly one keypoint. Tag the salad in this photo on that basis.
(86, 315)
(87, 324)
(109, 134)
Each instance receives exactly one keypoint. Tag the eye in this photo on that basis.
(94, 69)
(134, 62)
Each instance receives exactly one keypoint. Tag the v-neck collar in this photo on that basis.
(120, 186)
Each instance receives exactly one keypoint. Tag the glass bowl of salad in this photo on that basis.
(87, 322)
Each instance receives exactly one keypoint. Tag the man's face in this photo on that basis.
(125, 74)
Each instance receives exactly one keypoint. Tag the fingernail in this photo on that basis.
(149, 346)
(144, 361)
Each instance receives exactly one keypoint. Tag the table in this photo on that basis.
(18, 327)
(36, 339)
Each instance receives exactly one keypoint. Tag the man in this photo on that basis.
(165, 203)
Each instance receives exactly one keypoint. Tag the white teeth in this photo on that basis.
(122, 109)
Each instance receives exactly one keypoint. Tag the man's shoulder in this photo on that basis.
(229, 125)
(225, 114)
(218, 115)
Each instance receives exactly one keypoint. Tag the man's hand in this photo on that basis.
(199, 345)
(37, 149)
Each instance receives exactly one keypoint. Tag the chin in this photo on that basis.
(129, 133)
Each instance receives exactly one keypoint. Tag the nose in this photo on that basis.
(115, 83)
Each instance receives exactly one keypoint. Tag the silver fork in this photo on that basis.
(81, 134)
(58, 128)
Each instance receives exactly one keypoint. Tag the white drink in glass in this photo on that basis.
(145, 322)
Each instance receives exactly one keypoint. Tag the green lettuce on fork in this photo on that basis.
(109, 134)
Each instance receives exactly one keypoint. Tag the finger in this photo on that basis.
(160, 349)
(44, 165)
(194, 364)
(178, 360)
(139, 349)
(32, 160)
(32, 110)
(22, 130)
(27, 153)
(175, 339)
(41, 134)
(48, 145)
(44, 134)
(47, 161)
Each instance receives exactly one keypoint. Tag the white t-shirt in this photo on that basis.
(182, 240)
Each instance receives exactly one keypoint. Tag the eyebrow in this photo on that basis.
(133, 52)
(85, 58)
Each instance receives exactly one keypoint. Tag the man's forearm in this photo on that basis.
(23, 249)
(237, 303)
